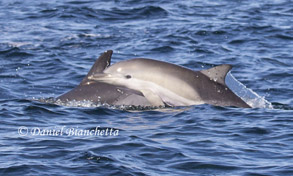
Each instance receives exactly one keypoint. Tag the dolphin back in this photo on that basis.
(213, 89)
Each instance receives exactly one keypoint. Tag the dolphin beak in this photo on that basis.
(100, 76)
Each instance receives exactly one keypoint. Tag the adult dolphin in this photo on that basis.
(104, 93)
(159, 83)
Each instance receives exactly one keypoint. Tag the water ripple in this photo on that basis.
(47, 48)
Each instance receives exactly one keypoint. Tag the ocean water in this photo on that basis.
(47, 47)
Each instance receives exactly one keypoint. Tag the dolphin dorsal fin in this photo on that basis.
(218, 73)
(100, 65)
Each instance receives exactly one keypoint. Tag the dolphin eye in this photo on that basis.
(128, 76)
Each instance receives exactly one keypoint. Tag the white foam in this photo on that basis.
(249, 96)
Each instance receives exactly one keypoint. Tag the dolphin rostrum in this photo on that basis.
(148, 82)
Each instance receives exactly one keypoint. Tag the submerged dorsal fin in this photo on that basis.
(218, 73)
(100, 65)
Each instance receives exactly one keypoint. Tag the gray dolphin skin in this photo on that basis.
(147, 82)
(103, 93)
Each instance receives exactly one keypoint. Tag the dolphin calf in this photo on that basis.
(147, 82)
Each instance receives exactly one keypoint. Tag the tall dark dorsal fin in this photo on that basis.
(100, 65)
(218, 73)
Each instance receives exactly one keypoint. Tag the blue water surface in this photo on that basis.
(47, 47)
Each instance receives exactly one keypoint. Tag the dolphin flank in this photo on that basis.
(147, 82)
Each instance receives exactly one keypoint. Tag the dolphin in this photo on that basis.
(147, 82)
(104, 93)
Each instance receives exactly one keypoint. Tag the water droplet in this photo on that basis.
(120, 91)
